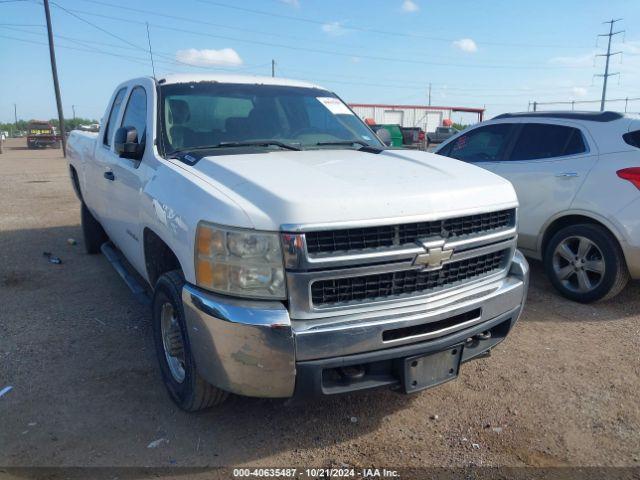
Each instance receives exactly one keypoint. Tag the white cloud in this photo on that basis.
(579, 91)
(356, 59)
(410, 6)
(293, 3)
(466, 45)
(207, 58)
(334, 29)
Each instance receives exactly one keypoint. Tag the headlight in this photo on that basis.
(239, 262)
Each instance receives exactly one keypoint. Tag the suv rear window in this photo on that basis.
(537, 140)
(632, 138)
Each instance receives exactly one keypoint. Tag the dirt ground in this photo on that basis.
(76, 347)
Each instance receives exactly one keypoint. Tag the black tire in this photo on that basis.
(606, 253)
(193, 393)
(94, 234)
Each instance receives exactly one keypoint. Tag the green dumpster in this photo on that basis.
(395, 132)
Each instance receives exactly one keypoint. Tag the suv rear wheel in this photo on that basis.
(585, 263)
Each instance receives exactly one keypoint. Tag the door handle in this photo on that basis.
(567, 174)
(109, 176)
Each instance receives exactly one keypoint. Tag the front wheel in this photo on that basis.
(585, 263)
(185, 386)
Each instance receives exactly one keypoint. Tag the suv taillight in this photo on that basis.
(632, 174)
(421, 136)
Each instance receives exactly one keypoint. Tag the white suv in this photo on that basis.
(577, 176)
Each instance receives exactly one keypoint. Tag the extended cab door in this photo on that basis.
(98, 188)
(128, 177)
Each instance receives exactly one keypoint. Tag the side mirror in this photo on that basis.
(127, 144)
(384, 136)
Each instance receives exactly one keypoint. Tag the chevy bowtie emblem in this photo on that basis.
(435, 256)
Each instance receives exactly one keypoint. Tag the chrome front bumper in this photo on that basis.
(252, 347)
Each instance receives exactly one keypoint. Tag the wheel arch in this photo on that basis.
(159, 257)
(566, 219)
(75, 182)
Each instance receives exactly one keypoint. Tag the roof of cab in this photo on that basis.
(232, 78)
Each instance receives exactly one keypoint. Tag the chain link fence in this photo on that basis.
(626, 105)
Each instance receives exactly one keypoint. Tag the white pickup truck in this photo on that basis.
(289, 252)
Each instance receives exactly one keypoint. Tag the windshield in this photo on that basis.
(207, 114)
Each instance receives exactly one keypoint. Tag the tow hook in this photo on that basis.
(354, 372)
(472, 342)
(484, 335)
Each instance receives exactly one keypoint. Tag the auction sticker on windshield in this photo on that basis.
(334, 105)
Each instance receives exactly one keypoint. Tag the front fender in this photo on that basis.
(174, 201)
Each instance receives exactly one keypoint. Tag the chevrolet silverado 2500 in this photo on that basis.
(291, 254)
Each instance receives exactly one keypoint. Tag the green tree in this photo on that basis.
(69, 123)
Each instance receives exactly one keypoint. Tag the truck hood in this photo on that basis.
(291, 190)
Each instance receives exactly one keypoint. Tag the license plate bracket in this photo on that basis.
(429, 370)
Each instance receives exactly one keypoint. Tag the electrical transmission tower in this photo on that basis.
(608, 55)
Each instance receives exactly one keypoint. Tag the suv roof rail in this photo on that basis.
(590, 116)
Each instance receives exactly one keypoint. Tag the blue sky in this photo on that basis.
(499, 54)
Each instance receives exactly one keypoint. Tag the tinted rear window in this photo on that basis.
(538, 140)
(632, 138)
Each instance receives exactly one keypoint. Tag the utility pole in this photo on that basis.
(73, 107)
(56, 84)
(429, 93)
(273, 68)
(608, 55)
(15, 115)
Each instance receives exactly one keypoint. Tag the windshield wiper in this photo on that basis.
(343, 142)
(364, 147)
(256, 143)
(259, 143)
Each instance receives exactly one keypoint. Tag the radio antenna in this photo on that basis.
(153, 68)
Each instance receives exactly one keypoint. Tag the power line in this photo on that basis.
(608, 55)
(414, 61)
(246, 30)
(400, 83)
(136, 47)
(377, 31)
(98, 27)
(173, 18)
(89, 49)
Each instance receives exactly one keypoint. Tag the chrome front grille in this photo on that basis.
(352, 239)
(336, 271)
(405, 282)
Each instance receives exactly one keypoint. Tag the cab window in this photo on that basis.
(135, 114)
(113, 116)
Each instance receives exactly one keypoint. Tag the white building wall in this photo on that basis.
(428, 120)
